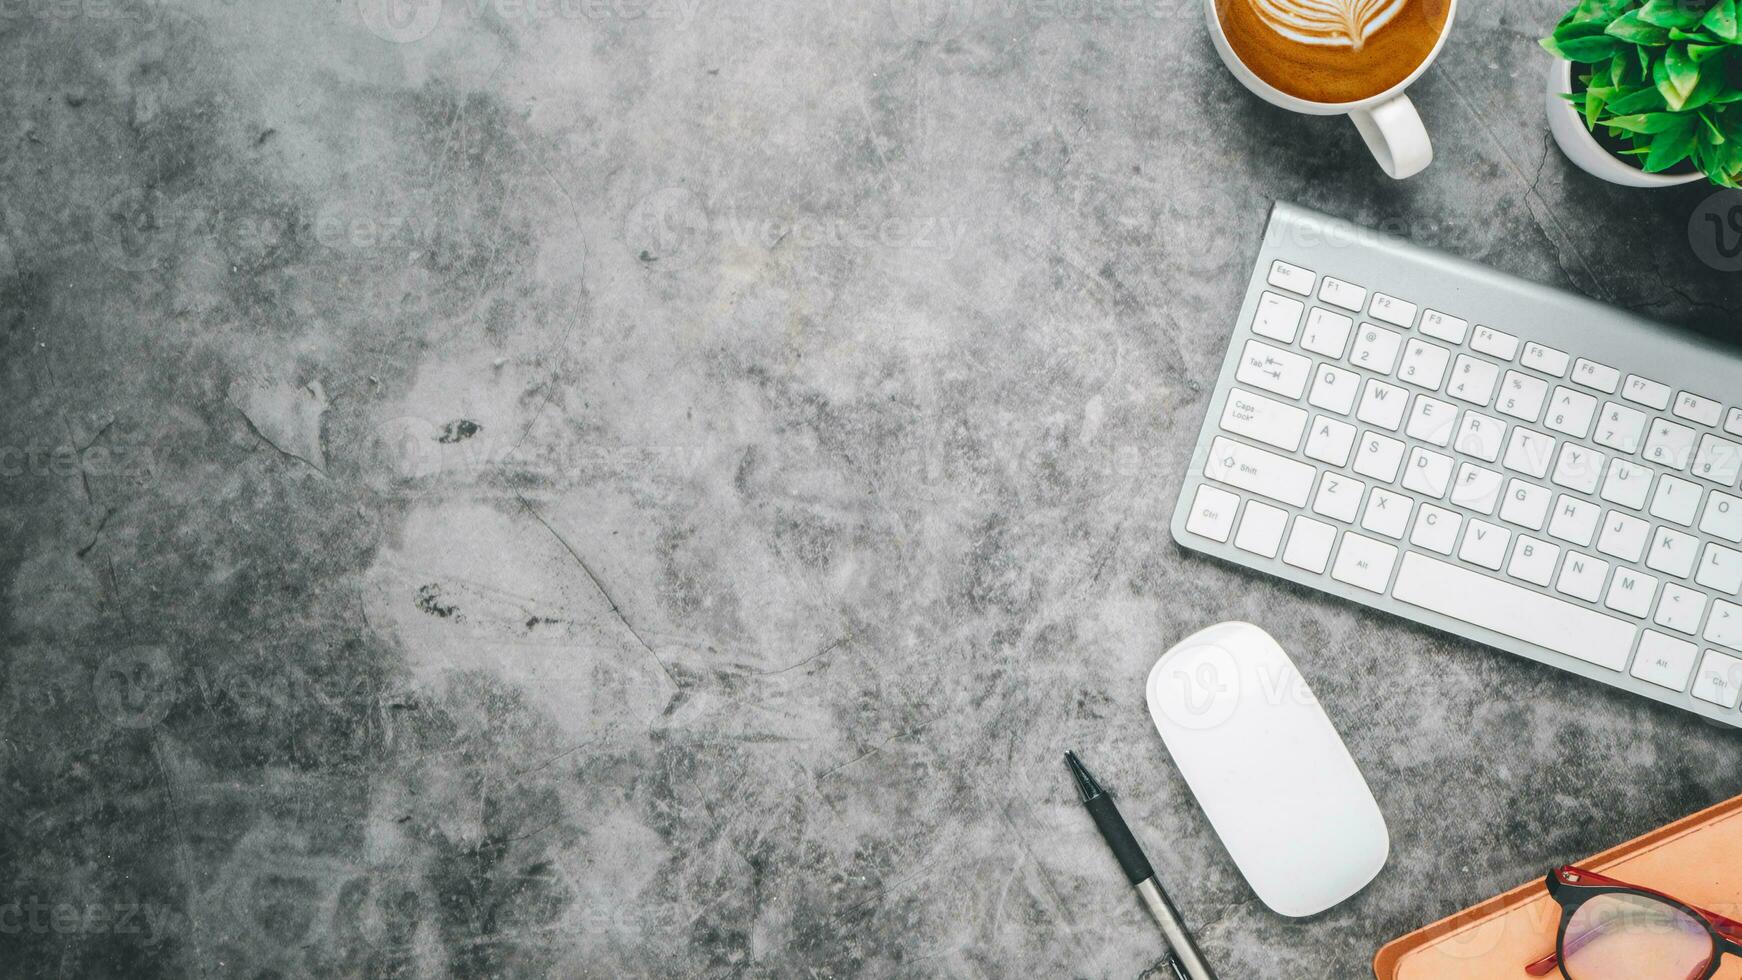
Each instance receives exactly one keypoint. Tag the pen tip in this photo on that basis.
(1086, 785)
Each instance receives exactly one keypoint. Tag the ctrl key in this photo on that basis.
(1213, 513)
(1719, 680)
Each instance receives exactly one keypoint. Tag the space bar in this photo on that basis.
(1513, 610)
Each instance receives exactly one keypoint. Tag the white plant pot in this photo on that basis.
(1583, 149)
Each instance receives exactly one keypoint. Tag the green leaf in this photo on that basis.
(1676, 75)
(1656, 122)
(1721, 20)
(1583, 50)
(1595, 99)
(1713, 134)
(1641, 100)
(1633, 30)
(1597, 11)
(1701, 52)
(1671, 13)
(1710, 86)
(1670, 147)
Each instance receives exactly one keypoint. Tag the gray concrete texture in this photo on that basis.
(650, 488)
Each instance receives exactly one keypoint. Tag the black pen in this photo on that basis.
(1185, 961)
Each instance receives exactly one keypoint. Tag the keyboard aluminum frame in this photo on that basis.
(1482, 296)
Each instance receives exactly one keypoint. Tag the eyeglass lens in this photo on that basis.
(1623, 936)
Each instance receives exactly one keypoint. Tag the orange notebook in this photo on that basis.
(1698, 860)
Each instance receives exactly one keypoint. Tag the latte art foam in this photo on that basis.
(1337, 23)
(1332, 52)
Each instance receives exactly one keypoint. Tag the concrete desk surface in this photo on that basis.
(601, 488)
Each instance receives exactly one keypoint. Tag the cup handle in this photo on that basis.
(1394, 133)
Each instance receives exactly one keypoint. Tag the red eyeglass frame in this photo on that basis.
(1572, 886)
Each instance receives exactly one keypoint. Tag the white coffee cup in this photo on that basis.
(1388, 121)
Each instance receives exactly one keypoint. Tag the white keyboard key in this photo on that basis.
(1733, 422)
(1444, 326)
(1723, 517)
(1428, 472)
(1383, 405)
(1582, 577)
(1720, 569)
(1529, 452)
(1665, 660)
(1291, 277)
(1387, 513)
(1627, 484)
(1431, 420)
(1669, 444)
(1533, 561)
(1673, 553)
(1725, 624)
(1339, 497)
(1376, 348)
(1326, 332)
(1514, 610)
(1212, 513)
(1473, 380)
(1309, 545)
(1646, 392)
(1680, 609)
(1545, 359)
(1600, 377)
(1259, 471)
(1676, 500)
(1718, 460)
(1424, 364)
(1575, 520)
(1331, 441)
(1696, 408)
(1624, 536)
(1261, 529)
(1578, 468)
(1620, 427)
(1521, 396)
(1392, 310)
(1481, 436)
(1476, 488)
(1278, 317)
(1494, 342)
(1335, 389)
(1378, 457)
(1364, 562)
(1345, 294)
(1719, 680)
(1485, 545)
(1631, 592)
(1570, 412)
(1436, 529)
(1260, 418)
(1526, 505)
(1273, 369)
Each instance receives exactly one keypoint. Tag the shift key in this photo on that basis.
(1259, 472)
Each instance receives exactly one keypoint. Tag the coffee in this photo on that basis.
(1333, 51)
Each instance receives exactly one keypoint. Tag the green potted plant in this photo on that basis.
(1649, 94)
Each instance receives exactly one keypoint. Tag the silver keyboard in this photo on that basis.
(1484, 455)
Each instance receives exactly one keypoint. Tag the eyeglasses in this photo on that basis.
(1611, 930)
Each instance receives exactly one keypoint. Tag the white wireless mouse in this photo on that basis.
(1268, 768)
